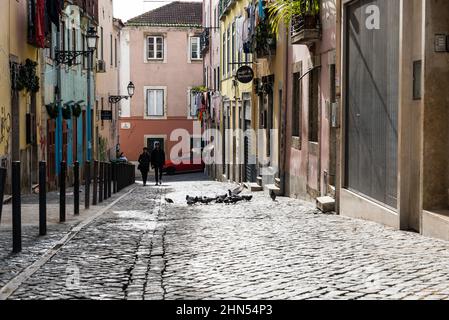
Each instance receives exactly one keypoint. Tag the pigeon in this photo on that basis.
(273, 195)
(168, 200)
(237, 190)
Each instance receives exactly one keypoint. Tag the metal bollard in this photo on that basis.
(42, 198)
(109, 180)
(105, 181)
(114, 177)
(62, 177)
(87, 185)
(95, 190)
(2, 188)
(16, 209)
(76, 188)
(100, 183)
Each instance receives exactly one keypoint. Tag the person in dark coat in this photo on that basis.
(144, 165)
(158, 162)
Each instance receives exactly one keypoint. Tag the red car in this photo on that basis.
(184, 164)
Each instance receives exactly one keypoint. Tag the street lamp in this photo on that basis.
(69, 56)
(116, 99)
(92, 38)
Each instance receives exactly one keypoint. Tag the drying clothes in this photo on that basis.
(239, 24)
(40, 24)
(261, 10)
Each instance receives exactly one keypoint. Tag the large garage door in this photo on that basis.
(372, 65)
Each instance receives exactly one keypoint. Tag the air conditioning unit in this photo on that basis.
(101, 66)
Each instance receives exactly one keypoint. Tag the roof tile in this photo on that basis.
(173, 14)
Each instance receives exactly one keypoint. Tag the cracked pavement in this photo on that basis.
(145, 248)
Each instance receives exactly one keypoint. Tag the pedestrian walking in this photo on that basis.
(144, 165)
(157, 162)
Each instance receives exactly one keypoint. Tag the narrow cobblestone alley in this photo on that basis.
(144, 248)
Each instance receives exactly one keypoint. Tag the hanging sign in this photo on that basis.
(245, 74)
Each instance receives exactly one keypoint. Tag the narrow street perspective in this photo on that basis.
(142, 247)
(242, 150)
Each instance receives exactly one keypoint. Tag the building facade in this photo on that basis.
(165, 64)
(210, 48)
(107, 82)
(392, 155)
(68, 132)
(237, 99)
(311, 105)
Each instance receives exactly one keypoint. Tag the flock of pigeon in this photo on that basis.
(232, 197)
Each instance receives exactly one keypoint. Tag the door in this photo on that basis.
(151, 142)
(372, 68)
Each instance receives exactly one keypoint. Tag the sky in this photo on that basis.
(126, 9)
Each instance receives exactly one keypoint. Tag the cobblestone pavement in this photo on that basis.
(145, 248)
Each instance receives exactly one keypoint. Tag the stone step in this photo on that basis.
(325, 204)
(272, 187)
(277, 182)
(253, 187)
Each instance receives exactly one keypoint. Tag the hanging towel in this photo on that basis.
(40, 23)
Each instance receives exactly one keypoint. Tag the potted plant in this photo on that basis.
(27, 78)
(287, 10)
(66, 112)
(76, 109)
(264, 41)
(52, 110)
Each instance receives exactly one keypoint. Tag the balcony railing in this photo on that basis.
(224, 6)
(205, 40)
(306, 29)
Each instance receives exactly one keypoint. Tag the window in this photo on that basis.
(155, 102)
(102, 44)
(233, 47)
(155, 48)
(195, 51)
(313, 106)
(73, 39)
(296, 112)
(116, 56)
(193, 107)
(111, 50)
(83, 48)
(228, 48)
(223, 54)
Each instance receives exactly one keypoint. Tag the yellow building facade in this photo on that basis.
(236, 96)
(20, 111)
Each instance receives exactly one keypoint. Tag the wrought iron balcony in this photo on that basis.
(224, 6)
(306, 29)
(205, 40)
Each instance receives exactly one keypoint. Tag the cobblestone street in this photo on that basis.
(142, 247)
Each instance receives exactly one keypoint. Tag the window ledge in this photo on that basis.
(296, 143)
(155, 117)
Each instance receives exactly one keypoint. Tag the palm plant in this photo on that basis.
(283, 11)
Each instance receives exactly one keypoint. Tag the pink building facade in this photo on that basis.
(161, 55)
(311, 100)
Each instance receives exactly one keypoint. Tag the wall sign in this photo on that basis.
(106, 115)
(126, 125)
(245, 74)
(441, 43)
